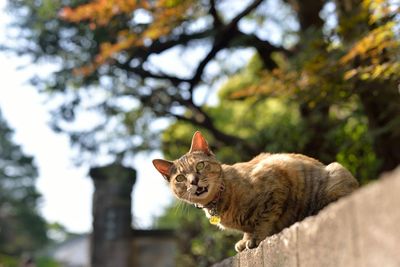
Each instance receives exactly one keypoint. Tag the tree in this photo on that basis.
(110, 54)
(22, 228)
(112, 49)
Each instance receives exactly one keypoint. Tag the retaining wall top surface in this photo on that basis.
(359, 230)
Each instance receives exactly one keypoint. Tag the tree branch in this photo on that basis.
(246, 11)
(158, 46)
(222, 39)
(264, 48)
(202, 119)
(213, 11)
(147, 74)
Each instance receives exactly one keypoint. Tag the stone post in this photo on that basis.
(111, 240)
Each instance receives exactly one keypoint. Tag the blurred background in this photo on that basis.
(92, 91)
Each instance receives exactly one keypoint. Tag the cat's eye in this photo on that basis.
(200, 166)
(180, 178)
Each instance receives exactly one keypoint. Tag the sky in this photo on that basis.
(66, 189)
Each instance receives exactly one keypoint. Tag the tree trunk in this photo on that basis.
(317, 124)
(381, 102)
(308, 13)
(316, 118)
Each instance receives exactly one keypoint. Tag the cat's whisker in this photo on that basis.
(182, 208)
(177, 207)
(190, 197)
(186, 208)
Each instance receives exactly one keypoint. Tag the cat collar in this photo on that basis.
(212, 206)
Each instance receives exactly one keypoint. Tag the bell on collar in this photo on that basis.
(215, 219)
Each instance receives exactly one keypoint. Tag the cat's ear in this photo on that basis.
(164, 167)
(199, 143)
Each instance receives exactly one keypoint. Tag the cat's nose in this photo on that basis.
(193, 179)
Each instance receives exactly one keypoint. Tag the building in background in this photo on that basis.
(113, 242)
(154, 248)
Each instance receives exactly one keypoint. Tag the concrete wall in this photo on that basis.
(360, 230)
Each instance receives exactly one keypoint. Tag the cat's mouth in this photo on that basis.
(201, 190)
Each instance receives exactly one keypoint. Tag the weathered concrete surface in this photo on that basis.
(359, 230)
(251, 258)
(327, 240)
(377, 217)
(229, 262)
(281, 249)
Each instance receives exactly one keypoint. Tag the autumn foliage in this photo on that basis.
(164, 16)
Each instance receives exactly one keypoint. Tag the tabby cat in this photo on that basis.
(259, 197)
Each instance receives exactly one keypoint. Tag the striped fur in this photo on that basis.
(260, 197)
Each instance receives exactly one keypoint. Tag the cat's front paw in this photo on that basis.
(246, 244)
(252, 243)
(240, 245)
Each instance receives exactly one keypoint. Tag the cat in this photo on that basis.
(259, 197)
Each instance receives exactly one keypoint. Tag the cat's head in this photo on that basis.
(196, 176)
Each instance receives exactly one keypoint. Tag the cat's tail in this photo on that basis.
(340, 183)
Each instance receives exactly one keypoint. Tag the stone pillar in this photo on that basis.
(111, 240)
